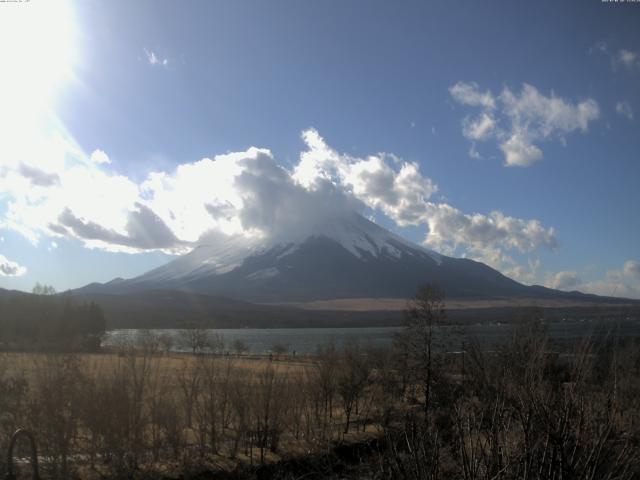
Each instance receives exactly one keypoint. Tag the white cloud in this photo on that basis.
(623, 282)
(624, 109)
(183, 198)
(100, 158)
(473, 152)
(470, 94)
(404, 196)
(250, 194)
(479, 128)
(525, 274)
(622, 58)
(547, 115)
(631, 269)
(10, 269)
(399, 193)
(154, 59)
(82, 189)
(519, 121)
(599, 47)
(245, 193)
(497, 258)
(566, 280)
(627, 59)
(479, 234)
(519, 151)
(611, 288)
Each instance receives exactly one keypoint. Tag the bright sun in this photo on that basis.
(36, 55)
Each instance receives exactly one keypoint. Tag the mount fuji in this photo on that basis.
(346, 256)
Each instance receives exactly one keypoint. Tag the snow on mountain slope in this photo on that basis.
(359, 236)
(210, 259)
(362, 237)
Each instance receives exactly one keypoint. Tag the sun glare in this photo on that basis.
(37, 55)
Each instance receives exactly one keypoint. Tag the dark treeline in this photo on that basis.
(44, 320)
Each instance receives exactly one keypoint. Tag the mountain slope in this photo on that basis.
(344, 257)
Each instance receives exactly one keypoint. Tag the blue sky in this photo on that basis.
(155, 85)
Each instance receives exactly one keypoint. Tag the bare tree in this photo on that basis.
(166, 341)
(268, 409)
(352, 377)
(213, 401)
(279, 349)
(325, 380)
(423, 313)
(148, 341)
(41, 289)
(241, 399)
(195, 339)
(240, 346)
(215, 343)
(189, 383)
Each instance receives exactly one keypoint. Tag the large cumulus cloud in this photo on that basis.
(251, 194)
(382, 182)
(399, 190)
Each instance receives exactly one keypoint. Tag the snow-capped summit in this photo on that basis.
(360, 237)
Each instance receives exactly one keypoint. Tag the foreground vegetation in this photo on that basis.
(525, 409)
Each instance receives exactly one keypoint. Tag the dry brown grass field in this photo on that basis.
(522, 410)
(29, 363)
(141, 410)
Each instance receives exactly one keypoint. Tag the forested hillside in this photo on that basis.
(37, 321)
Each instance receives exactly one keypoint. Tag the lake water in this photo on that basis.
(306, 340)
